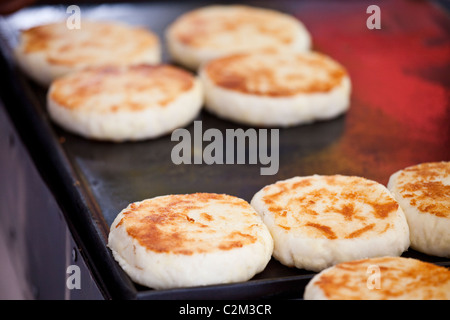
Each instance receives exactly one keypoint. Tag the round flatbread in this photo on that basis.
(275, 89)
(384, 278)
(318, 221)
(190, 240)
(46, 52)
(423, 192)
(125, 103)
(218, 30)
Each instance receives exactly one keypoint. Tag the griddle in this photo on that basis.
(399, 116)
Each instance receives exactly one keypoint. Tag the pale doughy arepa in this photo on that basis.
(213, 31)
(48, 51)
(383, 278)
(318, 221)
(275, 89)
(190, 240)
(125, 103)
(423, 192)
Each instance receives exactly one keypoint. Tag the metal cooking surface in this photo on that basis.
(399, 115)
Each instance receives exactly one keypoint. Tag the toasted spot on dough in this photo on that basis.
(218, 30)
(49, 51)
(125, 103)
(276, 89)
(139, 87)
(383, 278)
(427, 187)
(423, 191)
(172, 224)
(276, 75)
(317, 221)
(331, 209)
(191, 239)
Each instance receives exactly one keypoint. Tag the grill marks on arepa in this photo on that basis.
(122, 103)
(399, 278)
(423, 191)
(135, 88)
(49, 51)
(214, 31)
(90, 45)
(427, 186)
(274, 75)
(204, 27)
(338, 209)
(187, 225)
(318, 221)
(190, 240)
(268, 88)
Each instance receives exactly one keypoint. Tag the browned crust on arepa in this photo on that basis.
(423, 185)
(398, 278)
(182, 224)
(200, 28)
(276, 75)
(94, 42)
(343, 208)
(155, 86)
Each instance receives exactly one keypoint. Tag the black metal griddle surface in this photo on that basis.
(385, 130)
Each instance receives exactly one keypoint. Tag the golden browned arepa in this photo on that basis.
(190, 240)
(268, 88)
(383, 278)
(125, 103)
(319, 221)
(423, 192)
(214, 31)
(49, 51)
